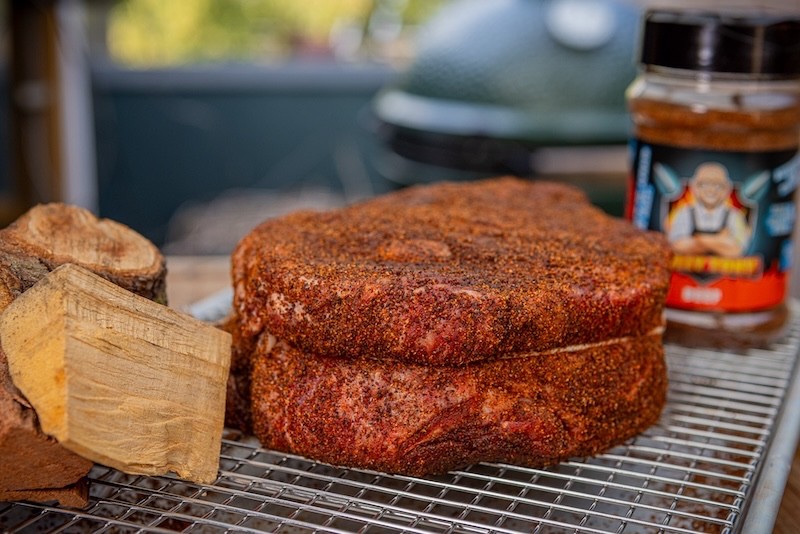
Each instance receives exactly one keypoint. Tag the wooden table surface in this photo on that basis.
(192, 278)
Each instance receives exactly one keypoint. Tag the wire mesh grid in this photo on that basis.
(692, 472)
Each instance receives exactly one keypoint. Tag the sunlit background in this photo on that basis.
(149, 33)
(193, 120)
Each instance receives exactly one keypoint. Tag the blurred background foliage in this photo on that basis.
(158, 33)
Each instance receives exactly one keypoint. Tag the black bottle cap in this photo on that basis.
(714, 42)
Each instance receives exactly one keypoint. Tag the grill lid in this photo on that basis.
(493, 80)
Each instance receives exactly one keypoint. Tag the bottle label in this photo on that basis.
(728, 216)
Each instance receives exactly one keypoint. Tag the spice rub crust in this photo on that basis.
(448, 274)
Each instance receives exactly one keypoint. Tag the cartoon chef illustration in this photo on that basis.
(707, 221)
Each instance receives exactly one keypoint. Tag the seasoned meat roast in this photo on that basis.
(419, 419)
(441, 325)
(450, 274)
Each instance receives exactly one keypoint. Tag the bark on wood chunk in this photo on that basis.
(119, 379)
(75, 495)
(31, 460)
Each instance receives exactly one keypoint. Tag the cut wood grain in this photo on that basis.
(34, 465)
(50, 235)
(119, 379)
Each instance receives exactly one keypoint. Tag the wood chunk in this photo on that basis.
(75, 495)
(118, 379)
(41, 240)
(50, 235)
(30, 458)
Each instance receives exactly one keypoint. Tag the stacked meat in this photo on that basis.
(438, 326)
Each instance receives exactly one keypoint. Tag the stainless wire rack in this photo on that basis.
(728, 427)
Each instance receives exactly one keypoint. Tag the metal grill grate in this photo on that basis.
(695, 471)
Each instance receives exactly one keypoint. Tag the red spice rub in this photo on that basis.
(418, 419)
(451, 273)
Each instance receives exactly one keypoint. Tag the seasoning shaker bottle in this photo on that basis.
(715, 161)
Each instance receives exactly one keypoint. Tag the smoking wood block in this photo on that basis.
(35, 466)
(33, 461)
(116, 378)
(75, 495)
(50, 235)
